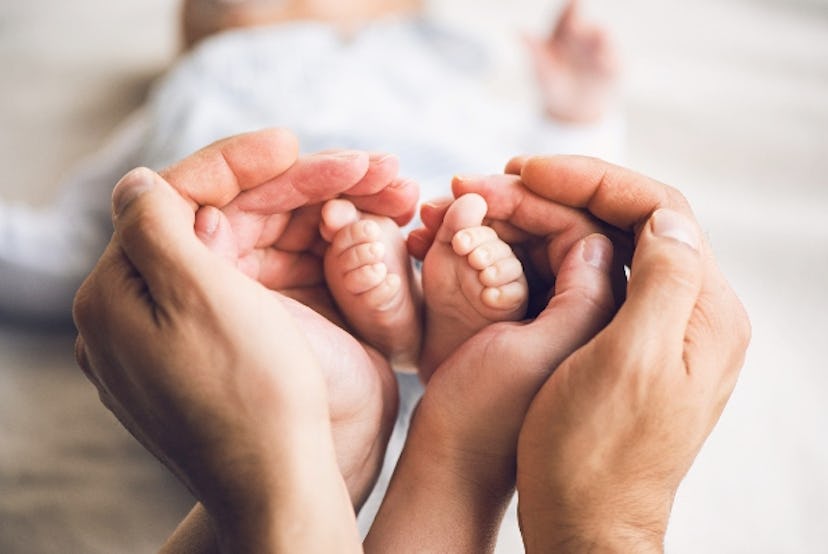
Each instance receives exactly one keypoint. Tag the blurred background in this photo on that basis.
(725, 99)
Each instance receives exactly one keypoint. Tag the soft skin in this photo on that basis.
(588, 478)
(648, 389)
(155, 250)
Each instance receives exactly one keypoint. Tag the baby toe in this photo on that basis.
(337, 215)
(488, 253)
(364, 278)
(355, 234)
(385, 295)
(368, 253)
(505, 297)
(466, 240)
(501, 272)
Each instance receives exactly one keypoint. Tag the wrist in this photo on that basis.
(293, 499)
(550, 524)
(440, 500)
(604, 540)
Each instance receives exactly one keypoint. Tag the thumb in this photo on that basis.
(154, 226)
(582, 305)
(665, 280)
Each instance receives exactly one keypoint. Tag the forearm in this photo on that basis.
(438, 504)
(303, 506)
(548, 525)
(308, 510)
(594, 541)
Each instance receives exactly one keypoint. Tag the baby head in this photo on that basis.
(201, 18)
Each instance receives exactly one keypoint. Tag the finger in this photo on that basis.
(398, 201)
(509, 200)
(419, 242)
(665, 282)
(154, 228)
(515, 165)
(111, 308)
(613, 194)
(214, 230)
(310, 180)
(280, 270)
(218, 173)
(382, 170)
(582, 305)
(626, 200)
(567, 19)
(433, 212)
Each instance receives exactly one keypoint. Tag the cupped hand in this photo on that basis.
(208, 370)
(613, 431)
(457, 471)
(258, 207)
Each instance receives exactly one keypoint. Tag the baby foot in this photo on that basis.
(471, 278)
(369, 274)
(577, 68)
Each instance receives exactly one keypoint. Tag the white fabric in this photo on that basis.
(407, 87)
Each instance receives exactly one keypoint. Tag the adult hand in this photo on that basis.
(613, 431)
(209, 371)
(457, 471)
(278, 231)
(258, 206)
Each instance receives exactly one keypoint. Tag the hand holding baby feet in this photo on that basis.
(577, 68)
(257, 205)
(369, 274)
(471, 278)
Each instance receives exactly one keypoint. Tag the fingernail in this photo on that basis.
(377, 249)
(381, 157)
(597, 252)
(673, 225)
(131, 186)
(463, 238)
(211, 222)
(370, 229)
(348, 155)
(467, 177)
(401, 183)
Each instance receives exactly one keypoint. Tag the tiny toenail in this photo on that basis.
(494, 294)
(483, 255)
(370, 229)
(377, 249)
(464, 239)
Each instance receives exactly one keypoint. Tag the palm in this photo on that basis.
(270, 231)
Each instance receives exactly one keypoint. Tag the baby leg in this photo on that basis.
(369, 274)
(471, 279)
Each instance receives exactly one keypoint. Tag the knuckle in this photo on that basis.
(671, 272)
(674, 197)
(83, 306)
